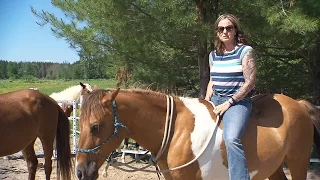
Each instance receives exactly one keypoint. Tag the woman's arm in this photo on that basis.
(249, 73)
(209, 90)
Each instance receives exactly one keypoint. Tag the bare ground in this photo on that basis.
(17, 170)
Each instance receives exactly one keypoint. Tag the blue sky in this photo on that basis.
(21, 39)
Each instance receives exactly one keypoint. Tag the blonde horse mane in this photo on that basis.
(143, 92)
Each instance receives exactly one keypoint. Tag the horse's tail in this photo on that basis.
(63, 146)
(315, 117)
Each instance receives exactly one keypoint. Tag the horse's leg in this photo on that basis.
(105, 171)
(298, 167)
(126, 143)
(47, 144)
(54, 156)
(123, 157)
(119, 149)
(31, 159)
(278, 174)
(136, 156)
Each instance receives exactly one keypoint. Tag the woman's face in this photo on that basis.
(226, 31)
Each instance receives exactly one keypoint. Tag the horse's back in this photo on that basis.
(277, 111)
(278, 125)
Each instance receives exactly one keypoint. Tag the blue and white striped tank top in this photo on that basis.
(226, 71)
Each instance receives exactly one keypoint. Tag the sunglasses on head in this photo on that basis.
(220, 29)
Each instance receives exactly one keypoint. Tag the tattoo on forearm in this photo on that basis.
(249, 73)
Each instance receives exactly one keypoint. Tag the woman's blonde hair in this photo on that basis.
(239, 37)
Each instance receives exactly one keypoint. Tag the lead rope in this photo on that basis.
(163, 147)
(166, 136)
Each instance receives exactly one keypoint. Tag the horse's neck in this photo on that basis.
(70, 94)
(145, 119)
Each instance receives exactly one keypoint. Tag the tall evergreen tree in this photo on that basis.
(167, 42)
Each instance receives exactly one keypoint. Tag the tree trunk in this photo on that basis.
(203, 67)
(316, 75)
(206, 10)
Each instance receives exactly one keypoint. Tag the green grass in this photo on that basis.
(50, 86)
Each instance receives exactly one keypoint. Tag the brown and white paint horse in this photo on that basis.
(280, 130)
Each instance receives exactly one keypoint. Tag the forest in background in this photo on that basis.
(49, 70)
(165, 44)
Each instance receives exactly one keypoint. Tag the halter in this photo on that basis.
(116, 125)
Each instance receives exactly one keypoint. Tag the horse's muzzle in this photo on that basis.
(87, 172)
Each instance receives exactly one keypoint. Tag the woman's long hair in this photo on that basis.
(239, 37)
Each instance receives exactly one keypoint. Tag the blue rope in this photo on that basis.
(116, 125)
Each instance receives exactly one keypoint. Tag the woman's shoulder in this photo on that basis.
(246, 47)
(245, 50)
(212, 53)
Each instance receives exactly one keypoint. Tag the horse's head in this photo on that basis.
(98, 132)
(86, 88)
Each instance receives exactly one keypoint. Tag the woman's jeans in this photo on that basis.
(235, 120)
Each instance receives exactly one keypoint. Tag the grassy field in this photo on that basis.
(50, 86)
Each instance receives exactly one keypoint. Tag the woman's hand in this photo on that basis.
(222, 108)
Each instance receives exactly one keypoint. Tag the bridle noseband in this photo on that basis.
(116, 125)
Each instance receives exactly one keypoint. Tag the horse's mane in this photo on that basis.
(71, 93)
(143, 92)
(93, 100)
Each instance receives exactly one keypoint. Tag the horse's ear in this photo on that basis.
(82, 85)
(107, 99)
(114, 94)
(95, 87)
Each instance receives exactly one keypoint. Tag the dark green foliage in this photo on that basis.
(31, 71)
(163, 43)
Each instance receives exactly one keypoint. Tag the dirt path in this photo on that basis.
(17, 170)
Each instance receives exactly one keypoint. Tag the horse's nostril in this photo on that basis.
(79, 174)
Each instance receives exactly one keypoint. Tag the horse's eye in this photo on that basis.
(95, 129)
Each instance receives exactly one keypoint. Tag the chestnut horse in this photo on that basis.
(185, 136)
(26, 115)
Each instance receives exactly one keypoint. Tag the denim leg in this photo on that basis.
(235, 120)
